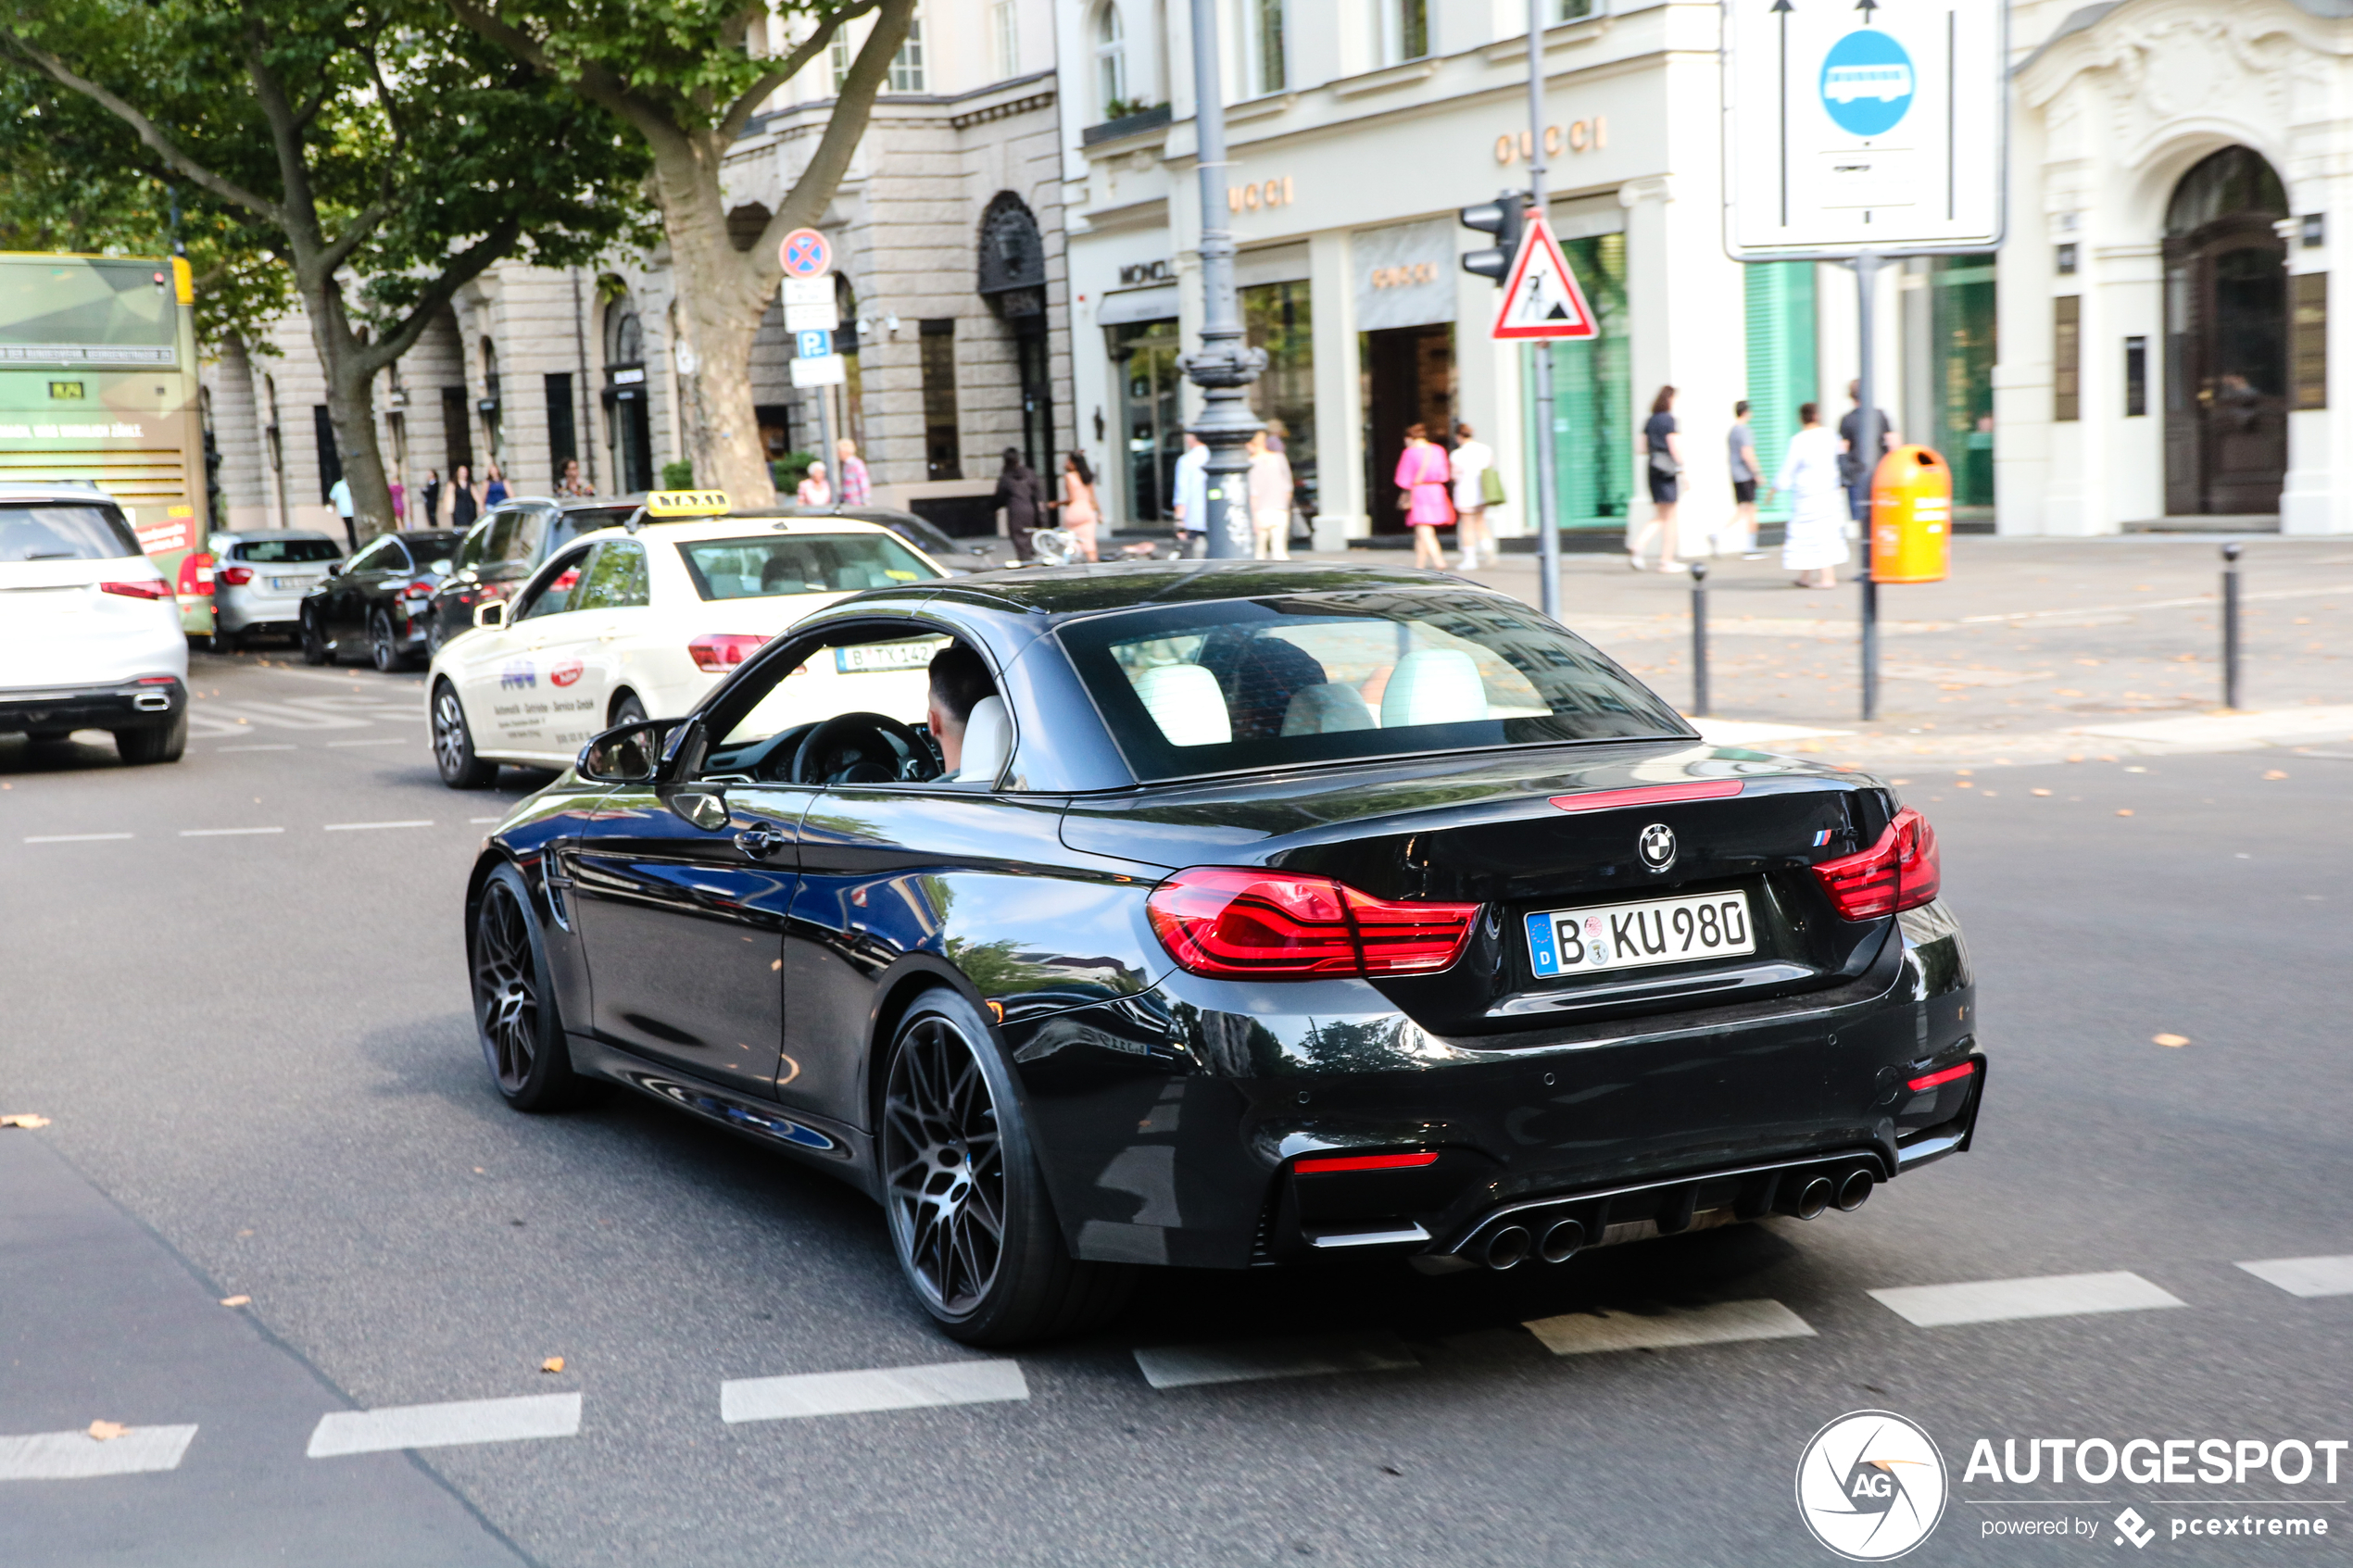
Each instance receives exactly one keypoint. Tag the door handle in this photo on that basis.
(760, 842)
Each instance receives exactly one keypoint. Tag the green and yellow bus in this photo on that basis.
(98, 384)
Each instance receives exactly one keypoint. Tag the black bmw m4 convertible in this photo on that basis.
(1227, 915)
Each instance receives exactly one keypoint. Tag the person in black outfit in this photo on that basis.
(1023, 494)
(1860, 455)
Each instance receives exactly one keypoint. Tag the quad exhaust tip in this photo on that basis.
(1562, 1241)
(1813, 1198)
(1508, 1246)
(1855, 1191)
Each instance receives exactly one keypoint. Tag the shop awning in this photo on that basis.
(1137, 305)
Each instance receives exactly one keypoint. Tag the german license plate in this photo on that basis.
(285, 583)
(1709, 926)
(866, 658)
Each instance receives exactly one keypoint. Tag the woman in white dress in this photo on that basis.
(1815, 542)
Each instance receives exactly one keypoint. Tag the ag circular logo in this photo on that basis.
(1867, 82)
(1872, 1486)
(1656, 847)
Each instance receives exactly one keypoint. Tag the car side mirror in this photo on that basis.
(335, 569)
(627, 753)
(492, 614)
(439, 567)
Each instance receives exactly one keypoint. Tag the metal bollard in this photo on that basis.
(2231, 624)
(1699, 639)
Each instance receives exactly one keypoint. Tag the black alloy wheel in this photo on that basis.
(970, 1220)
(522, 1040)
(453, 744)
(223, 640)
(626, 710)
(383, 651)
(314, 641)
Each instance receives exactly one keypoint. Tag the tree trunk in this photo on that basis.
(718, 307)
(351, 411)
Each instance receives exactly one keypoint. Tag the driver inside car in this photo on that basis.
(967, 717)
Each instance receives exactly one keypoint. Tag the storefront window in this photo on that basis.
(1592, 437)
(1961, 327)
(1144, 359)
(1783, 365)
(1279, 319)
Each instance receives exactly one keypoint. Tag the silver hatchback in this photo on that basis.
(259, 578)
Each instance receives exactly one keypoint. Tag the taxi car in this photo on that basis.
(639, 619)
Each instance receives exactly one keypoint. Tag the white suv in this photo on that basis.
(90, 634)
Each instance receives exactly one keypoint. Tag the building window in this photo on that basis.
(1574, 10)
(1263, 67)
(907, 65)
(838, 52)
(2066, 260)
(2136, 377)
(1404, 29)
(1004, 38)
(564, 444)
(1783, 362)
(2067, 357)
(2308, 338)
(1279, 317)
(329, 459)
(1592, 428)
(942, 442)
(1110, 63)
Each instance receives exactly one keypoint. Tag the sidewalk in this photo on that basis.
(2034, 650)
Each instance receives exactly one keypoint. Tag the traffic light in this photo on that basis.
(1503, 217)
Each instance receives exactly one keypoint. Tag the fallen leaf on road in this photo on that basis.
(2275, 773)
(2124, 810)
(236, 1300)
(553, 1363)
(2171, 1039)
(107, 1431)
(24, 1119)
(2042, 792)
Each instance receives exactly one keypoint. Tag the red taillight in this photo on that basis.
(1367, 1162)
(1648, 794)
(236, 576)
(1935, 1079)
(719, 652)
(1898, 873)
(421, 589)
(152, 588)
(1235, 923)
(158, 680)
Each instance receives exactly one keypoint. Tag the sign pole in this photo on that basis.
(1866, 443)
(1548, 536)
(1222, 366)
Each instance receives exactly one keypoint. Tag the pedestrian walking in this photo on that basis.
(1809, 477)
(399, 505)
(857, 485)
(1023, 495)
(1081, 513)
(1421, 495)
(1740, 444)
(433, 487)
(1860, 454)
(1270, 497)
(464, 500)
(1663, 463)
(1192, 498)
(1472, 464)
(569, 484)
(815, 491)
(339, 498)
(494, 489)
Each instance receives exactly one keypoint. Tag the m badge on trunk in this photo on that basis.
(1656, 847)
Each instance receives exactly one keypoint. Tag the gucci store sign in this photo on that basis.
(1404, 275)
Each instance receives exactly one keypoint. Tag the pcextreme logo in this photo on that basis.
(1872, 1486)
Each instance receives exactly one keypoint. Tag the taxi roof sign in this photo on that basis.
(687, 502)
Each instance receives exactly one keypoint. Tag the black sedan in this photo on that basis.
(374, 604)
(500, 552)
(1229, 915)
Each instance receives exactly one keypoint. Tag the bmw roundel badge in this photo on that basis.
(1656, 847)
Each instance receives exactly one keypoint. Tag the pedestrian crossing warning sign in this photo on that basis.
(1542, 298)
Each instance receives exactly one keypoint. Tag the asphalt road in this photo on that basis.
(254, 1049)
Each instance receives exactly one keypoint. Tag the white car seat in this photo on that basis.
(1188, 705)
(1433, 686)
(1326, 709)
(988, 740)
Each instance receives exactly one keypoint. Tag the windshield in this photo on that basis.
(571, 525)
(1243, 684)
(65, 532)
(801, 563)
(286, 552)
(77, 309)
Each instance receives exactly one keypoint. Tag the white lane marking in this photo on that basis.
(74, 838)
(888, 1388)
(442, 1426)
(1719, 1323)
(283, 715)
(1998, 1300)
(2306, 1277)
(1246, 1360)
(486, 818)
(226, 749)
(224, 833)
(76, 1456)
(396, 740)
(362, 827)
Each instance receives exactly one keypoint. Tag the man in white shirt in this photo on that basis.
(339, 496)
(1192, 498)
(1468, 464)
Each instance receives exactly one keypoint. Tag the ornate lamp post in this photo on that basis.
(1222, 366)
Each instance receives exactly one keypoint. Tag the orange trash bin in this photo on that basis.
(1911, 517)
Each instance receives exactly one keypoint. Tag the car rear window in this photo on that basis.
(66, 532)
(1206, 688)
(571, 525)
(801, 563)
(286, 552)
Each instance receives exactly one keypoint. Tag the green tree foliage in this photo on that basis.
(374, 140)
(687, 76)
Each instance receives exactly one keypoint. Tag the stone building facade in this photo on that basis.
(946, 236)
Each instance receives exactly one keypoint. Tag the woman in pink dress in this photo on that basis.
(1422, 474)
(1080, 514)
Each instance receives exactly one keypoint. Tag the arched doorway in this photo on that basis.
(1013, 279)
(2226, 338)
(628, 427)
